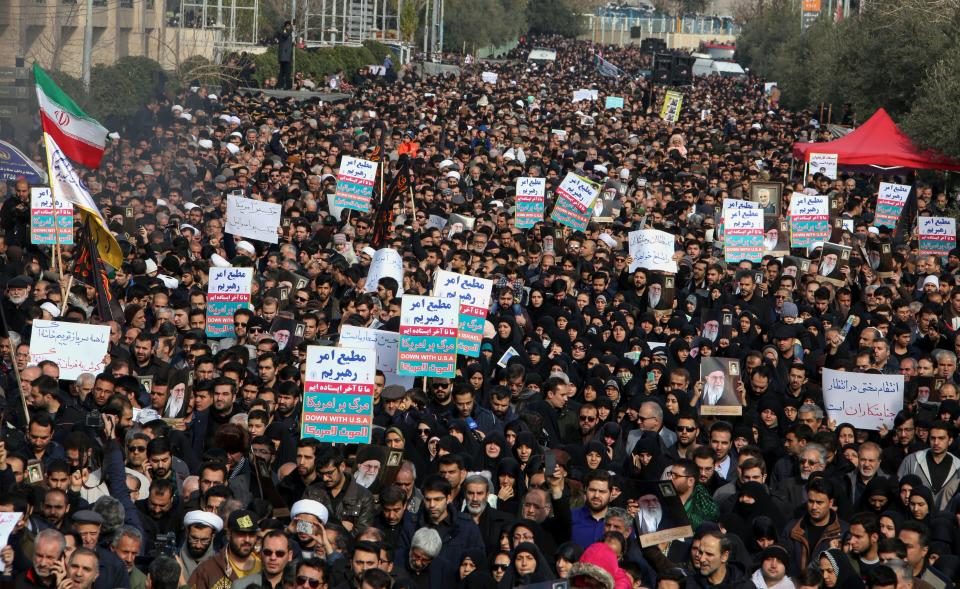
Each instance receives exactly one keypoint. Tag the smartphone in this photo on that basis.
(472, 423)
(304, 528)
(651, 377)
(550, 464)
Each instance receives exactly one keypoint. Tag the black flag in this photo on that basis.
(90, 270)
(383, 217)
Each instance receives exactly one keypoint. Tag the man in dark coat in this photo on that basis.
(285, 56)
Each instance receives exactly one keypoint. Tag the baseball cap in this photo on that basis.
(243, 520)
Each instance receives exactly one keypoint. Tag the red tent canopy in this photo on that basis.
(878, 143)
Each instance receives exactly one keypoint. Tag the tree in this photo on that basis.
(933, 121)
(554, 17)
(410, 20)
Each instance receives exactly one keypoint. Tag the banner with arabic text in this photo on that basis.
(338, 394)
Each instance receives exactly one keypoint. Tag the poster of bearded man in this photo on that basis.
(719, 381)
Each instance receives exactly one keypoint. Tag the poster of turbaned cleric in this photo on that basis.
(661, 516)
(720, 378)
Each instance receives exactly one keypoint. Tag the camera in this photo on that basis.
(166, 544)
(93, 420)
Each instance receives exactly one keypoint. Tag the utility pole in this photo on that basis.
(440, 48)
(293, 33)
(426, 29)
(87, 45)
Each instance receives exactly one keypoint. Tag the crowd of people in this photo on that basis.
(554, 455)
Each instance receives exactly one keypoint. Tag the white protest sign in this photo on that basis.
(653, 250)
(386, 343)
(585, 94)
(579, 191)
(386, 263)
(824, 163)
(8, 521)
(489, 77)
(866, 401)
(253, 219)
(75, 347)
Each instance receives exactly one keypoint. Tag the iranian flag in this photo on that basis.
(79, 135)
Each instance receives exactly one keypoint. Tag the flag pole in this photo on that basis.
(63, 302)
(57, 254)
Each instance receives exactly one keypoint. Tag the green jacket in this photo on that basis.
(138, 580)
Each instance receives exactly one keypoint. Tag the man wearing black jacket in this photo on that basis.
(285, 56)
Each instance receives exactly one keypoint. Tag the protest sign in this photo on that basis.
(529, 198)
(74, 347)
(386, 343)
(574, 205)
(386, 263)
(228, 289)
(338, 394)
(9, 521)
(809, 219)
(585, 94)
(613, 102)
(890, 201)
(428, 337)
(729, 204)
(336, 211)
(355, 180)
(489, 77)
(938, 235)
(742, 231)
(42, 218)
(824, 163)
(672, 102)
(865, 401)
(652, 249)
(474, 296)
(253, 219)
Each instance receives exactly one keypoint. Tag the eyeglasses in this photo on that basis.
(238, 324)
(256, 329)
(686, 428)
(500, 567)
(307, 581)
(810, 462)
(424, 431)
(588, 418)
(278, 554)
(303, 299)
(136, 448)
